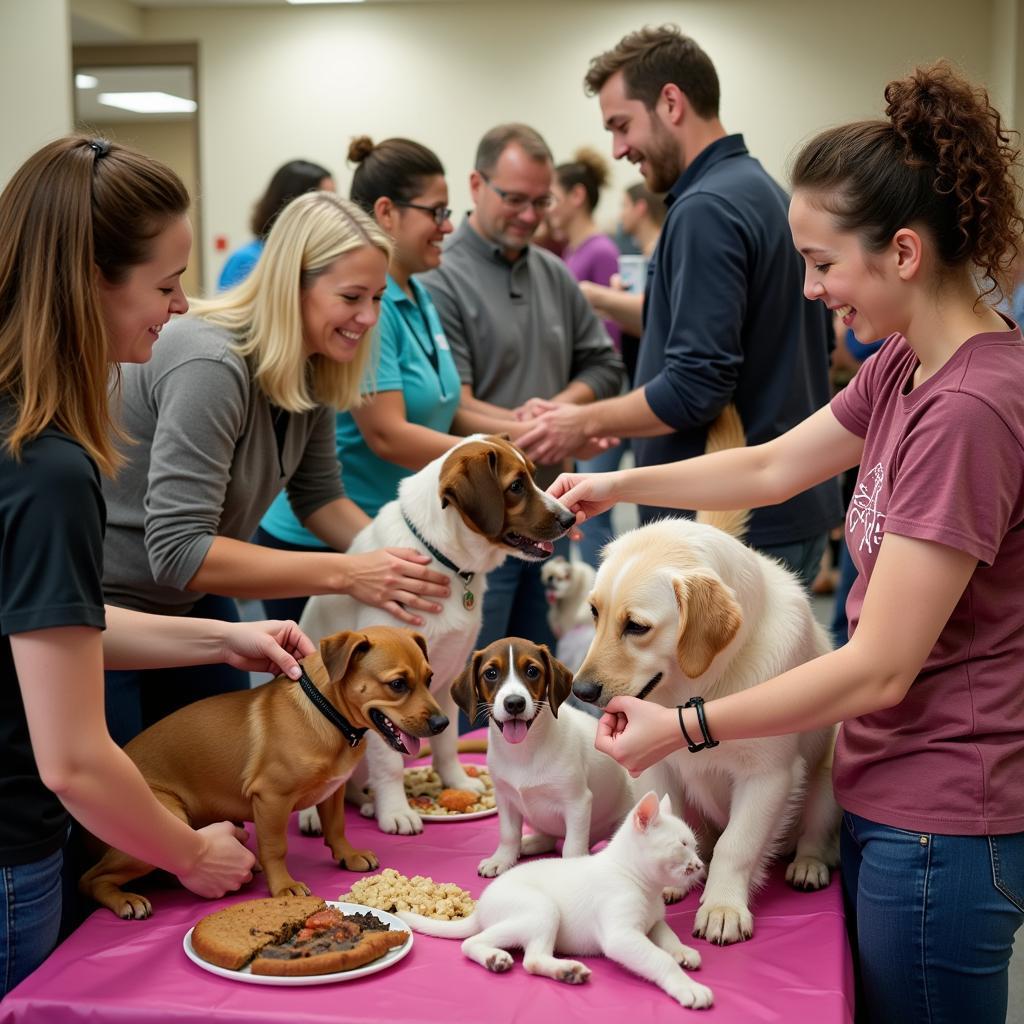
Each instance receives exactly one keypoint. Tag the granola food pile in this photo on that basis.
(391, 891)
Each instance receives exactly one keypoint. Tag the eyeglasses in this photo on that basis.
(439, 213)
(517, 202)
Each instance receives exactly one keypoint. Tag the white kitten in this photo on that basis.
(609, 903)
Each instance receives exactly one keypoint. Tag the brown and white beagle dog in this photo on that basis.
(541, 754)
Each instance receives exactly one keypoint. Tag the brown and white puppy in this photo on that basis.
(257, 755)
(684, 609)
(540, 754)
(567, 587)
(474, 505)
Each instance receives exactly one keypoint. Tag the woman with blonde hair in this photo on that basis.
(93, 241)
(238, 404)
(410, 410)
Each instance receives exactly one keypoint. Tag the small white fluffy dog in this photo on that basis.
(473, 506)
(541, 756)
(684, 609)
(608, 903)
(567, 585)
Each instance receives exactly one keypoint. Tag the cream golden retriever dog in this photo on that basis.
(682, 609)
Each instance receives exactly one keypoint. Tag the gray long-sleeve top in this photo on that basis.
(205, 464)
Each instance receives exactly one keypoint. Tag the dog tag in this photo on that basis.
(468, 600)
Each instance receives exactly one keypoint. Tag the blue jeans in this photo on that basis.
(931, 920)
(137, 698)
(31, 917)
(802, 557)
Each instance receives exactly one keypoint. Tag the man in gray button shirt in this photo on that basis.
(520, 331)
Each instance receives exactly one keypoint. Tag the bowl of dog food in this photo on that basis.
(428, 795)
(391, 892)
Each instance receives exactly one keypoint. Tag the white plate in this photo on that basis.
(486, 813)
(427, 816)
(392, 956)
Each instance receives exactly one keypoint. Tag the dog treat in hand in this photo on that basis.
(392, 891)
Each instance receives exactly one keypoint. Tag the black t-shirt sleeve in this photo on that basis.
(51, 548)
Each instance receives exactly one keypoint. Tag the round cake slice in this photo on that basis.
(233, 936)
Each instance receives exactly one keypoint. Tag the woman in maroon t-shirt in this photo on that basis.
(898, 220)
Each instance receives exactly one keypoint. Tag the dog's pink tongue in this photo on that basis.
(514, 731)
(412, 743)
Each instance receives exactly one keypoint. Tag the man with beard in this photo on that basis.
(725, 319)
(521, 332)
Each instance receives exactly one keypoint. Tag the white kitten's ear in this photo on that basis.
(646, 812)
(666, 805)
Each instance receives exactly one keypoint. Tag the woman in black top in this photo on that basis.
(93, 241)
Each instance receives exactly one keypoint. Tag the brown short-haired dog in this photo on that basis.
(257, 755)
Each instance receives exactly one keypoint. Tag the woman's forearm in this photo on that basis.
(140, 640)
(235, 568)
(406, 444)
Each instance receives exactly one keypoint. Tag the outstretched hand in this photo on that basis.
(397, 580)
(586, 494)
(637, 734)
(272, 646)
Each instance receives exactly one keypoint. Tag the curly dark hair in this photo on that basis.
(943, 160)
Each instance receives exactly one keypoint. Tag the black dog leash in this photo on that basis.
(330, 712)
(468, 598)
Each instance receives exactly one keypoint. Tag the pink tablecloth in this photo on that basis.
(796, 968)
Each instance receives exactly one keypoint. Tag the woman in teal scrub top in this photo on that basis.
(411, 412)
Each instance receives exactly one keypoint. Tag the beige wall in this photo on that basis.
(172, 142)
(35, 78)
(280, 83)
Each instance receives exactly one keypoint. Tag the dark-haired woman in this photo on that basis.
(590, 254)
(898, 220)
(295, 178)
(94, 239)
(412, 393)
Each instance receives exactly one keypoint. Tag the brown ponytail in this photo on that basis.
(587, 168)
(943, 160)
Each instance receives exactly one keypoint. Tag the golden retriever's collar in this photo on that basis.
(468, 597)
(330, 712)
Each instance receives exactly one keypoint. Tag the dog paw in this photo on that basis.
(309, 822)
(491, 866)
(368, 808)
(133, 907)
(723, 924)
(499, 962)
(573, 973)
(291, 888)
(460, 780)
(359, 860)
(691, 994)
(670, 894)
(807, 873)
(403, 822)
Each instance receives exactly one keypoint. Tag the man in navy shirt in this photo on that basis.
(725, 319)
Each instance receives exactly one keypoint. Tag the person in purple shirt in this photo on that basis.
(908, 227)
(590, 254)
(593, 258)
